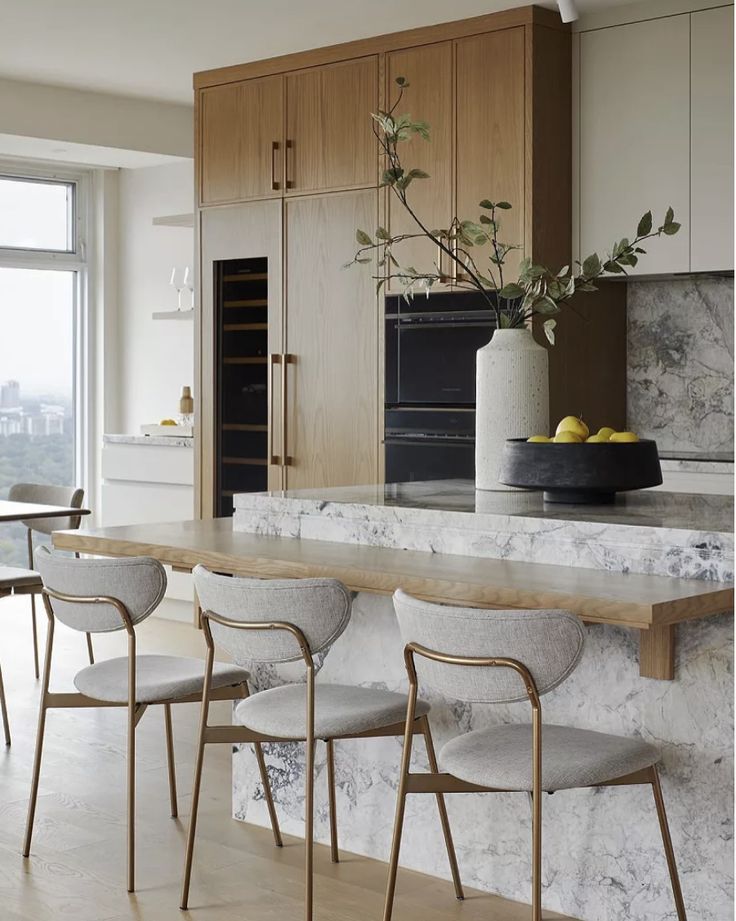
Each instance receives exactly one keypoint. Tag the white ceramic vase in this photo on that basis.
(512, 399)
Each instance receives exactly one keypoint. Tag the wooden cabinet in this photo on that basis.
(430, 98)
(491, 131)
(241, 140)
(711, 143)
(331, 340)
(635, 136)
(329, 141)
(251, 231)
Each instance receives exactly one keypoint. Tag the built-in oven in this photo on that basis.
(429, 444)
(430, 349)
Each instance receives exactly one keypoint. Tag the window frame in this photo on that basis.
(75, 261)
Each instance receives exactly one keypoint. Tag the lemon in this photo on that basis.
(567, 437)
(168, 422)
(624, 437)
(538, 439)
(606, 432)
(574, 425)
(597, 439)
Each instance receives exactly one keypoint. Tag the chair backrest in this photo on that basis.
(548, 643)
(320, 608)
(138, 582)
(41, 494)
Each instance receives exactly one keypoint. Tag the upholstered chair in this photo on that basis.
(266, 623)
(21, 581)
(4, 710)
(495, 657)
(105, 595)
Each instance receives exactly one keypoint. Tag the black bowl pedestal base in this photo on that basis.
(579, 497)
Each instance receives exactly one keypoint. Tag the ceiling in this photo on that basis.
(150, 48)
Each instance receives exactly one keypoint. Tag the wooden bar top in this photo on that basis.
(652, 604)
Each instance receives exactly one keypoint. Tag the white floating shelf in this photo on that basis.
(174, 220)
(173, 314)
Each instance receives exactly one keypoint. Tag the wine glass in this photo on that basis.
(178, 287)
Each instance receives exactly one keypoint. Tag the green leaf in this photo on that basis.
(506, 206)
(563, 271)
(363, 260)
(402, 81)
(549, 330)
(362, 237)
(382, 234)
(545, 305)
(381, 283)
(512, 291)
(488, 205)
(645, 225)
(670, 216)
(592, 266)
(671, 228)
(613, 267)
(418, 174)
(484, 219)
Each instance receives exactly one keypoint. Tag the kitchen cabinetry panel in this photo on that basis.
(712, 140)
(240, 124)
(331, 337)
(330, 144)
(490, 131)
(635, 136)
(429, 97)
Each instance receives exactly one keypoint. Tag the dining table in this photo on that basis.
(30, 511)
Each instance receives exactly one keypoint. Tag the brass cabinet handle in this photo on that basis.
(275, 184)
(286, 360)
(273, 459)
(289, 182)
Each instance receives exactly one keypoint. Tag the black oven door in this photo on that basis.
(431, 358)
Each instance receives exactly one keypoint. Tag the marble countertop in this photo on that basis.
(167, 441)
(648, 531)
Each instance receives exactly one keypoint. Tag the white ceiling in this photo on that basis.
(150, 48)
(25, 148)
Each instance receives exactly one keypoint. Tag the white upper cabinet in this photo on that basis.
(634, 124)
(711, 144)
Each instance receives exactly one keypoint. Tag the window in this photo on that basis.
(42, 296)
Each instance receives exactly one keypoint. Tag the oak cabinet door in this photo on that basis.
(330, 142)
(635, 137)
(332, 341)
(428, 70)
(711, 143)
(490, 135)
(241, 147)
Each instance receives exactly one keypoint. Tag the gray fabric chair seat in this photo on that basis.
(501, 757)
(157, 678)
(12, 577)
(339, 710)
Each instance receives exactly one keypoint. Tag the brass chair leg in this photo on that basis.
(90, 650)
(334, 851)
(668, 849)
(39, 739)
(536, 858)
(309, 832)
(258, 748)
(35, 635)
(132, 721)
(3, 707)
(170, 760)
(441, 806)
(393, 865)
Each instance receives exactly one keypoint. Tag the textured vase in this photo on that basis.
(512, 399)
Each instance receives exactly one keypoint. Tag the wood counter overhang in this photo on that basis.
(651, 604)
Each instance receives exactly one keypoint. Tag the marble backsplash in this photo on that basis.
(680, 363)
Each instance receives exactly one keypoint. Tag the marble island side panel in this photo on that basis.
(602, 851)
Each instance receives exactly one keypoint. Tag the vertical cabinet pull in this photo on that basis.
(275, 184)
(289, 147)
(273, 459)
(286, 360)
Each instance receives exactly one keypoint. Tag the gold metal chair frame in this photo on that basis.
(235, 734)
(51, 701)
(446, 783)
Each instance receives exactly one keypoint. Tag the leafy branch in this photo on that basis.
(537, 291)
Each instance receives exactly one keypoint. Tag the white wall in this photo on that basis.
(154, 358)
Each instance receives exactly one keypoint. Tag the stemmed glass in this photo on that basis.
(178, 287)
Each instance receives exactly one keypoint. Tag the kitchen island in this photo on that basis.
(650, 555)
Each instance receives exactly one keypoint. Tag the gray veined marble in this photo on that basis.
(603, 857)
(161, 441)
(681, 363)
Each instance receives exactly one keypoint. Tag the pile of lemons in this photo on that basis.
(573, 430)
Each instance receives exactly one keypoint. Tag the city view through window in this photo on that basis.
(36, 387)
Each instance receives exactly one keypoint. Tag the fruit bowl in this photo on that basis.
(588, 473)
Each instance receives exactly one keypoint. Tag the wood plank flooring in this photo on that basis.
(77, 865)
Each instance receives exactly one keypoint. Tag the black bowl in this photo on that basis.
(587, 473)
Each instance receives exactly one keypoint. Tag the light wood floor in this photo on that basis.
(77, 865)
